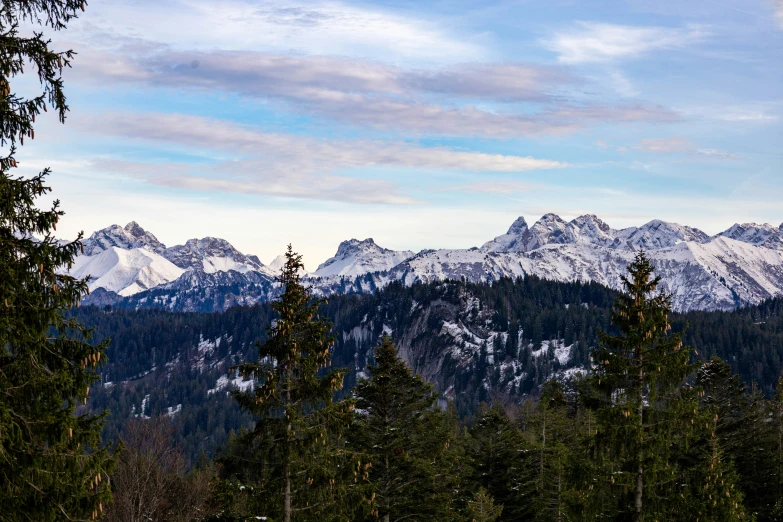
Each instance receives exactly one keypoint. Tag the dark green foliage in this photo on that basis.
(558, 436)
(749, 339)
(643, 412)
(482, 508)
(292, 463)
(743, 433)
(406, 440)
(52, 466)
(177, 358)
(715, 495)
(501, 463)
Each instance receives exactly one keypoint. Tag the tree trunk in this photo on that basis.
(541, 456)
(287, 500)
(640, 441)
(287, 469)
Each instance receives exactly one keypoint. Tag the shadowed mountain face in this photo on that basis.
(742, 265)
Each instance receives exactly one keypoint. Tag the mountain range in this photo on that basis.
(129, 267)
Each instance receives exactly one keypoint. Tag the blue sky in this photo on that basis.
(420, 124)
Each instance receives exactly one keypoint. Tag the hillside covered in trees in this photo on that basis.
(475, 342)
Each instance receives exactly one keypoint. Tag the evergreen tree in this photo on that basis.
(716, 497)
(744, 433)
(407, 440)
(776, 411)
(554, 438)
(293, 464)
(501, 463)
(643, 410)
(482, 508)
(52, 466)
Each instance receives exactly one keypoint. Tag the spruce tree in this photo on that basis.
(716, 496)
(501, 463)
(555, 440)
(643, 409)
(743, 431)
(293, 466)
(776, 415)
(407, 440)
(52, 466)
(482, 508)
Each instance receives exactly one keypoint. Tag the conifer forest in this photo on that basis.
(457, 400)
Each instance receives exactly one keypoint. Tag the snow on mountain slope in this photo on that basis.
(720, 274)
(589, 229)
(741, 265)
(125, 272)
(211, 255)
(277, 263)
(763, 235)
(511, 241)
(133, 272)
(356, 257)
(128, 237)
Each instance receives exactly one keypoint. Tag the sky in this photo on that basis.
(419, 124)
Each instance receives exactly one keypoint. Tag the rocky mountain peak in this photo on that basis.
(352, 246)
(210, 254)
(756, 234)
(518, 227)
(658, 234)
(128, 237)
(355, 257)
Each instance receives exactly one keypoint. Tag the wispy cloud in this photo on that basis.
(494, 187)
(376, 95)
(779, 12)
(590, 42)
(319, 27)
(666, 145)
(320, 77)
(680, 145)
(256, 177)
(284, 165)
(307, 153)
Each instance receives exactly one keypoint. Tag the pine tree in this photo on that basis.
(407, 440)
(482, 508)
(643, 410)
(716, 497)
(743, 431)
(776, 407)
(554, 438)
(293, 464)
(52, 466)
(501, 463)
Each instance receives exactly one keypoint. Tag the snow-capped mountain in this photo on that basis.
(128, 237)
(764, 235)
(128, 260)
(590, 230)
(212, 255)
(721, 274)
(125, 272)
(657, 234)
(277, 263)
(739, 266)
(356, 257)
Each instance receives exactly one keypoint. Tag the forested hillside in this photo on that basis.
(475, 342)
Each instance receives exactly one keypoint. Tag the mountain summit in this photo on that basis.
(739, 266)
(128, 237)
(356, 257)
